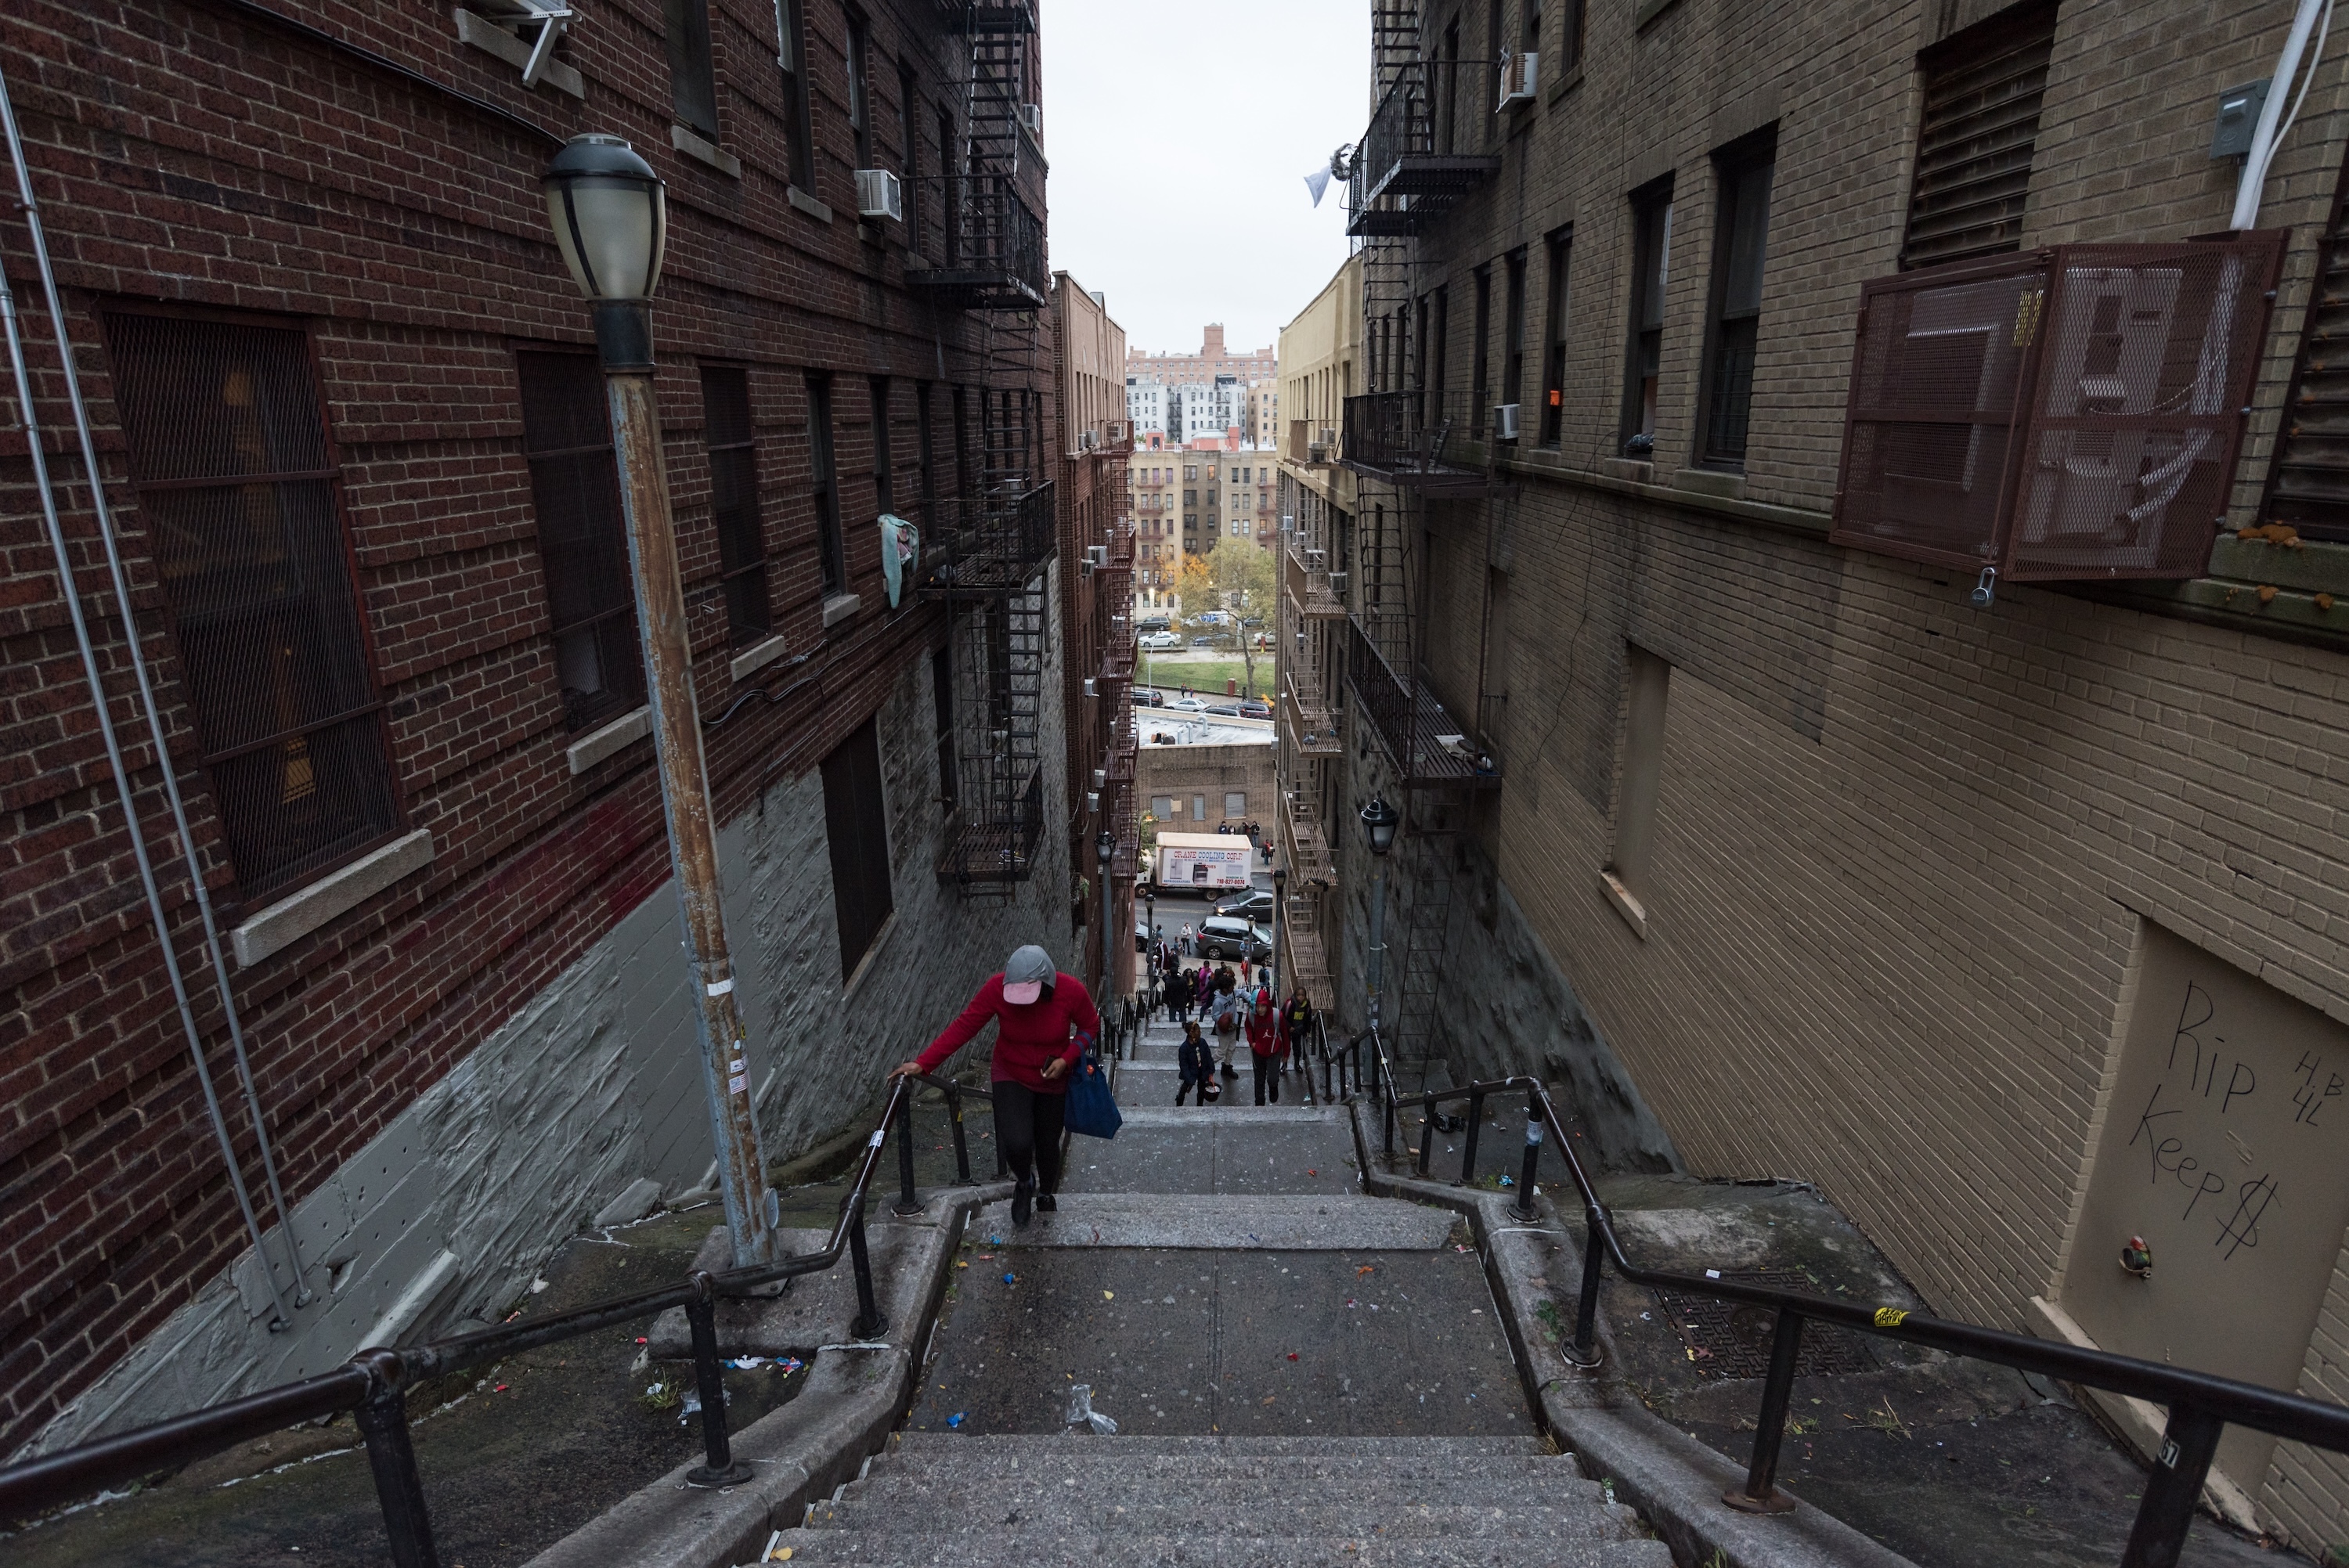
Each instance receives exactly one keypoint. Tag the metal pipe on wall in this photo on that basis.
(153, 715)
(2268, 134)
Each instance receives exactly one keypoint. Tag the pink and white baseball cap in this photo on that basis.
(1025, 975)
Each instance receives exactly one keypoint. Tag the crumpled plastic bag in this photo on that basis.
(1081, 1408)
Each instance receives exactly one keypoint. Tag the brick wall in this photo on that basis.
(1213, 771)
(202, 157)
(1905, 848)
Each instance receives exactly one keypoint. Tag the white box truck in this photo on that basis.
(1203, 862)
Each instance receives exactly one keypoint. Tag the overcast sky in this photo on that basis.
(1179, 137)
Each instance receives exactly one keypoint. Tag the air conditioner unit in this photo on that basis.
(1317, 451)
(1520, 75)
(1100, 778)
(1084, 440)
(1097, 556)
(1337, 581)
(880, 194)
(1505, 421)
(1031, 114)
(1089, 687)
(1117, 431)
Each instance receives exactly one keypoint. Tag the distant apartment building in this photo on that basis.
(1186, 501)
(1212, 360)
(1261, 418)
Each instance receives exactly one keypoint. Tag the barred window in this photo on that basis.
(727, 434)
(574, 483)
(242, 499)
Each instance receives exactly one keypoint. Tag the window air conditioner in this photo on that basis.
(1520, 75)
(1337, 582)
(1084, 440)
(880, 194)
(1505, 421)
(1031, 114)
(1097, 555)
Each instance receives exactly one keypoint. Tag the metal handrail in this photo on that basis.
(2200, 1403)
(374, 1383)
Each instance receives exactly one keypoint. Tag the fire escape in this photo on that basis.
(985, 551)
(1401, 438)
(1311, 621)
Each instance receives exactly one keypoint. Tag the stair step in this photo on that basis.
(1269, 1511)
(1236, 1222)
(976, 1545)
(1013, 1446)
(1475, 1478)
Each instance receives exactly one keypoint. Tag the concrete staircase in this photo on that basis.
(1234, 1502)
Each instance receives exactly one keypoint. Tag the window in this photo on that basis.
(241, 493)
(884, 477)
(1647, 681)
(1481, 382)
(909, 154)
(1492, 72)
(1235, 803)
(1447, 91)
(925, 452)
(1191, 471)
(859, 89)
(1651, 244)
(1569, 41)
(942, 707)
(1163, 807)
(1439, 328)
(823, 487)
(1198, 808)
(1529, 27)
(858, 836)
(962, 441)
(1737, 246)
(574, 484)
(947, 174)
(1513, 333)
(1553, 417)
(1982, 91)
(692, 82)
(799, 119)
(734, 500)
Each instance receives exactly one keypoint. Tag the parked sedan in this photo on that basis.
(1159, 641)
(1149, 696)
(1255, 905)
(1203, 641)
(1255, 707)
(1186, 704)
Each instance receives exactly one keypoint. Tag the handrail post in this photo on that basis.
(2168, 1508)
(722, 1467)
(1468, 1149)
(870, 1323)
(1522, 1211)
(909, 1201)
(1762, 1494)
(962, 1142)
(1585, 1351)
(1386, 1100)
(1426, 1130)
(399, 1489)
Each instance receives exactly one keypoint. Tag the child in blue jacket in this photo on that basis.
(1198, 1065)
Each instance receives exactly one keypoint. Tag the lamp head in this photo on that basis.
(1104, 846)
(610, 214)
(1380, 822)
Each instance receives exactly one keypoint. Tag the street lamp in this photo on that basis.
(1279, 902)
(1379, 823)
(610, 216)
(1106, 851)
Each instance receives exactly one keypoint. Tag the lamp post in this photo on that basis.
(611, 223)
(1279, 902)
(1106, 851)
(1378, 821)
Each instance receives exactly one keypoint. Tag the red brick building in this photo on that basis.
(353, 438)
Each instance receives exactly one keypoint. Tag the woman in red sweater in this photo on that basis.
(1044, 1019)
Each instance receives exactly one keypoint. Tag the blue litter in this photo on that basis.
(1506, 1181)
(1009, 1278)
(956, 1418)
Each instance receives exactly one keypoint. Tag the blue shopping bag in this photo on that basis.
(1091, 1109)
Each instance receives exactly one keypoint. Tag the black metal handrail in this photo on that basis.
(374, 1383)
(2200, 1405)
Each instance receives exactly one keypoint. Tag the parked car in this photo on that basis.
(1157, 640)
(1210, 618)
(1224, 938)
(1186, 704)
(1203, 642)
(1255, 707)
(1255, 905)
(1149, 696)
(1142, 936)
(1154, 623)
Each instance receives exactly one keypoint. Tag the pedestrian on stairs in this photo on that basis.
(1196, 1062)
(1263, 1042)
(1043, 1021)
(1297, 1017)
(1178, 996)
(1223, 1005)
(1186, 939)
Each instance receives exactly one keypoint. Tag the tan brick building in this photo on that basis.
(1783, 839)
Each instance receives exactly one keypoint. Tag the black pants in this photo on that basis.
(1188, 1085)
(1268, 1073)
(1029, 1122)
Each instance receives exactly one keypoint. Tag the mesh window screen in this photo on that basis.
(228, 451)
(574, 484)
(2071, 413)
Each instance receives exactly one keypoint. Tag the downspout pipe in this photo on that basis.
(32, 214)
(2268, 134)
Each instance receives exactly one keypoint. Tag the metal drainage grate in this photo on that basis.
(1731, 1339)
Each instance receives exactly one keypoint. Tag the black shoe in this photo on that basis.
(1019, 1196)
(1047, 1204)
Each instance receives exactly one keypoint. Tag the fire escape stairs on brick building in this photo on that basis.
(987, 549)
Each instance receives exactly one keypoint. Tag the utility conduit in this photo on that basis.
(130, 637)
